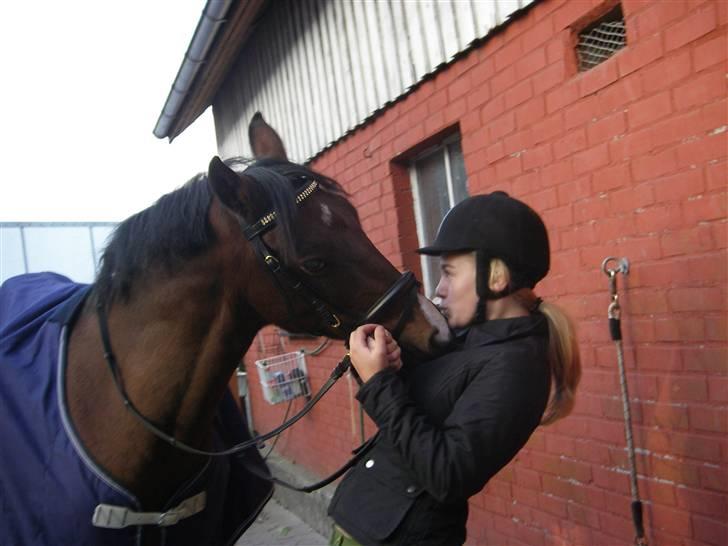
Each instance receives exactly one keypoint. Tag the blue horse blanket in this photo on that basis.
(49, 486)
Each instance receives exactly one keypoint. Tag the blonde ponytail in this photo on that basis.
(564, 361)
(563, 356)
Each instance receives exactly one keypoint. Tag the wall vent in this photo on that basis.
(601, 39)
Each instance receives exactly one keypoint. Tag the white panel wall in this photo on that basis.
(71, 249)
(318, 68)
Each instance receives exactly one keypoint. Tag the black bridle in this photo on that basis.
(291, 286)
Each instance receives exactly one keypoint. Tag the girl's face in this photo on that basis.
(457, 288)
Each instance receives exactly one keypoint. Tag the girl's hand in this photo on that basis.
(372, 350)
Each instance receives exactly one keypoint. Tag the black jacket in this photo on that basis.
(446, 427)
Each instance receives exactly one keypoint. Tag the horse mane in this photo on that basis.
(177, 227)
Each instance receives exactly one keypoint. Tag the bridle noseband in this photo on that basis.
(290, 285)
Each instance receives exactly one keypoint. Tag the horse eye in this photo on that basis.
(313, 265)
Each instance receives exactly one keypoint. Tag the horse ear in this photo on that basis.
(264, 141)
(229, 187)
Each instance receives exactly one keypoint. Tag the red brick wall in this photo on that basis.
(627, 159)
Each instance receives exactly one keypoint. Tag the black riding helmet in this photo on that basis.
(496, 225)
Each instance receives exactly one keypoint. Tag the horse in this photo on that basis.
(182, 290)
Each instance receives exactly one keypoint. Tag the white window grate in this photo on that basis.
(600, 42)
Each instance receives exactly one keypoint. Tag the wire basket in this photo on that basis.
(283, 377)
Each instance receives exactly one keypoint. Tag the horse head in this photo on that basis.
(311, 266)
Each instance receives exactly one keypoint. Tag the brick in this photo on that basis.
(695, 299)
(709, 53)
(696, 151)
(715, 115)
(551, 76)
(714, 477)
(531, 112)
(716, 328)
(666, 73)
(518, 94)
(606, 128)
(518, 142)
(572, 142)
(508, 56)
(631, 199)
(591, 159)
(620, 94)
(482, 72)
(678, 128)
(706, 503)
(569, 14)
(679, 329)
(658, 218)
(537, 157)
(688, 389)
(632, 144)
(649, 110)
(691, 27)
(654, 166)
(503, 81)
(570, 190)
(679, 186)
(478, 95)
(677, 522)
(581, 112)
(453, 112)
(562, 96)
(695, 447)
(708, 418)
(539, 33)
(705, 207)
(657, 492)
(500, 127)
(508, 168)
(675, 471)
(494, 108)
(640, 248)
(687, 241)
(710, 531)
(641, 54)
(706, 359)
(615, 526)
(531, 63)
(657, 17)
(700, 90)
(598, 78)
(547, 128)
(716, 175)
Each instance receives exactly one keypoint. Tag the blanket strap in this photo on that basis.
(110, 516)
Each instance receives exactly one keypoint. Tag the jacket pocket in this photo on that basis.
(368, 507)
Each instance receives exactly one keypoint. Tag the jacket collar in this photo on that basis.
(500, 330)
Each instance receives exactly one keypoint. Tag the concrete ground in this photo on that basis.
(276, 526)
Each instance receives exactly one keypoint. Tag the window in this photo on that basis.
(602, 39)
(438, 183)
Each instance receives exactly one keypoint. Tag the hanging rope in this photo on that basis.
(614, 312)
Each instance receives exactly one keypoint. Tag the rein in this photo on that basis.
(289, 283)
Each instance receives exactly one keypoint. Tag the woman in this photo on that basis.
(446, 426)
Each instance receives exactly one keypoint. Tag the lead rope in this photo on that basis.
(614, 312)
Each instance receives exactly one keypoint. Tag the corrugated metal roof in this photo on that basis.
(317, 69)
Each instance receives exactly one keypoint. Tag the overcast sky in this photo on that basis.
(83, 83)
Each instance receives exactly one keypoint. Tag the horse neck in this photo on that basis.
(176, 342)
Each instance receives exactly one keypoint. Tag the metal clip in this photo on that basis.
(622, 266)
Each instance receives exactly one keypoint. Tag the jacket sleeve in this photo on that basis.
(491, 420)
